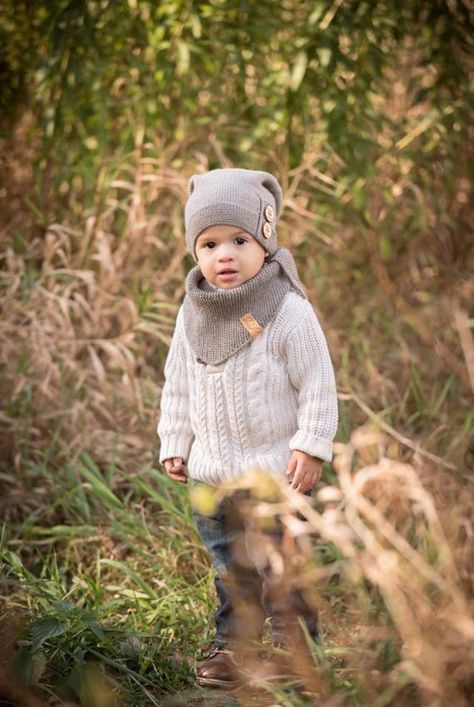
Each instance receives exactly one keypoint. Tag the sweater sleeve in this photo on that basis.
(174, 427)
(312, 374)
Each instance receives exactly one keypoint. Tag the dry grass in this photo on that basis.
(393, 553)
(81, 321)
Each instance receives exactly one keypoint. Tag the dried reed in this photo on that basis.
(391, 548)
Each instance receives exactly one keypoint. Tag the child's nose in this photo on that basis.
(226, 252)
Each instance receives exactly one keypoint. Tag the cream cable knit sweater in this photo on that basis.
(275, 395)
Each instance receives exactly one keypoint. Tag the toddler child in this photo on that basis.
(248, 385)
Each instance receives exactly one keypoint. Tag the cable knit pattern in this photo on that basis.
(273, 396)
(175, 428)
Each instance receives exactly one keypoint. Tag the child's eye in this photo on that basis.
(240, 240)
(209, 244)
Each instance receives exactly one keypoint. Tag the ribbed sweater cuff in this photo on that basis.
(315, 446)
(177, 445)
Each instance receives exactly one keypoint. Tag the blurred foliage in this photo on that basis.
(266, 77)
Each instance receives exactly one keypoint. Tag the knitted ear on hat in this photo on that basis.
(271, 184)
(245, 198)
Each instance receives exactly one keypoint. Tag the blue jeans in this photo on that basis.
(247, 591)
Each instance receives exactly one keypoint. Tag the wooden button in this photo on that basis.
(267, 230)
(269, 213)
(251, 324)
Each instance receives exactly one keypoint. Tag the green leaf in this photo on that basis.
(45, 628)
(183, 57)
(196, 27)
(92, 623)
(64, 607)
(29, 667)
(134, 576)
(359, 195)
(298, 71)
(99, 487)
(316, 14)
(385, 246)
(324, 56)
(165, 503)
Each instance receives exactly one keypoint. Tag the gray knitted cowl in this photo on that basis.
(220, 322)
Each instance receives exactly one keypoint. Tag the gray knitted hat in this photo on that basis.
(244, 198)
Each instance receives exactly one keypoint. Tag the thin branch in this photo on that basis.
(393, 433)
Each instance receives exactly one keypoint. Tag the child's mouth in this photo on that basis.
(227, 273)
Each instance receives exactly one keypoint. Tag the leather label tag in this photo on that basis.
(251, 324)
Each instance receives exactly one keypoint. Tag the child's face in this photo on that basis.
(228, 256)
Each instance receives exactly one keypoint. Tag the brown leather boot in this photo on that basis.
(218, 669)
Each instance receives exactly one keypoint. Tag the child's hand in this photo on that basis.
(175, 469)
(305, 470)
